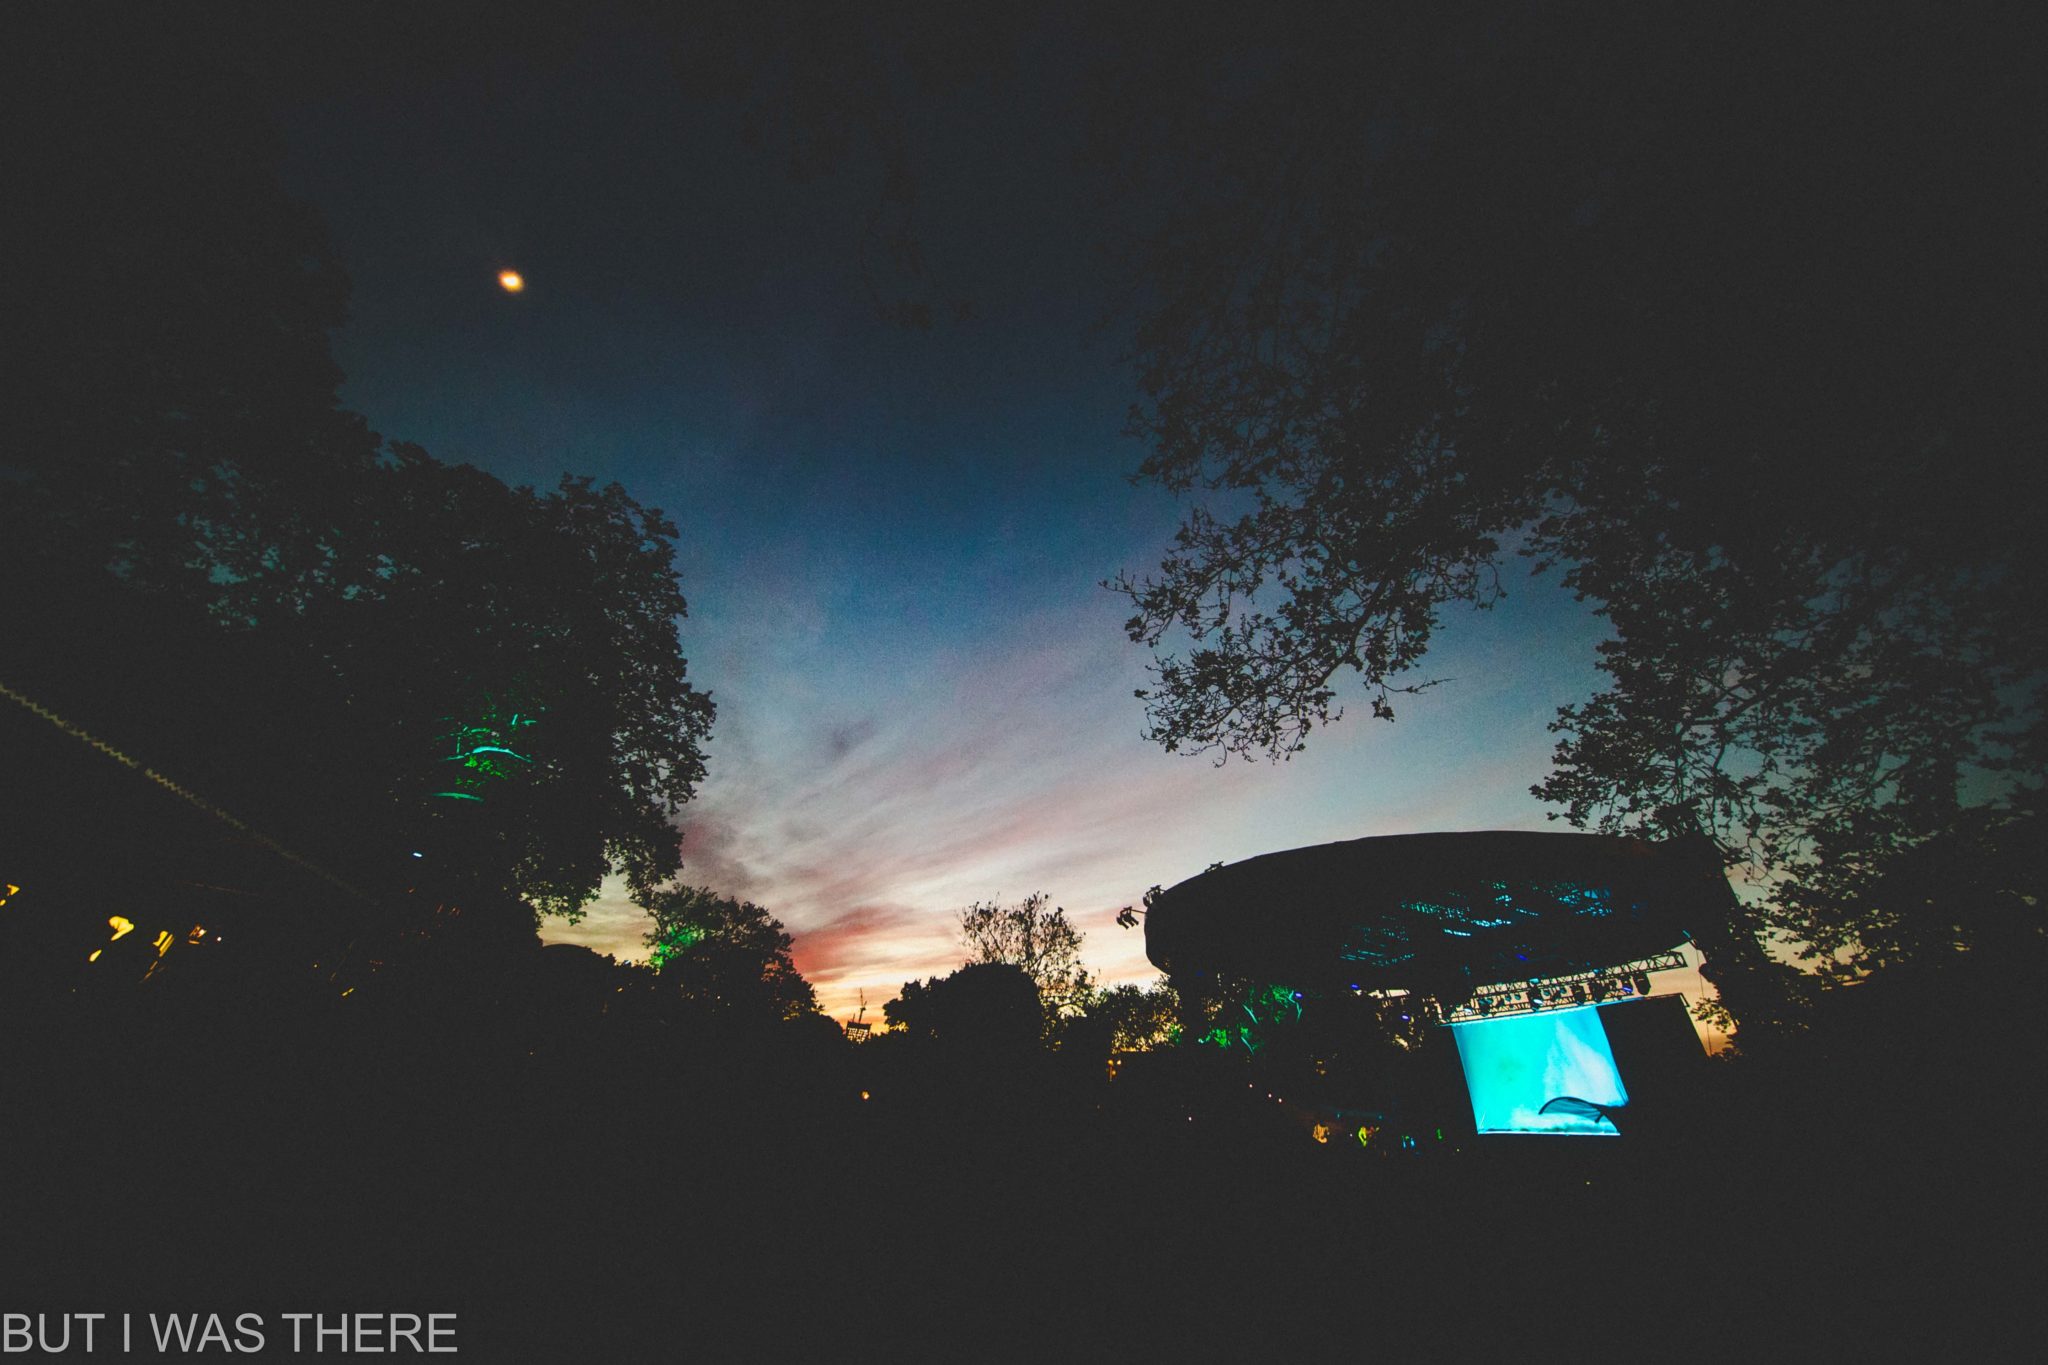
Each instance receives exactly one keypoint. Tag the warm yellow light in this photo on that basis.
(863, 1094)
(12, 889)
(94, 956)
(121, 925)
(198, 932)
(163, 942)
(511, 281)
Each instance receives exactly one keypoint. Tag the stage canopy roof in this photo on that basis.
(1439, 913)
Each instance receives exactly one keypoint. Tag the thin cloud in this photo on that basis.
(865, 939)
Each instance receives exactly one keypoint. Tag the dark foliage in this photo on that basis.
(178, 456)
(1707, 316)
(726, 957)
(1038, 941)
(989, 1008)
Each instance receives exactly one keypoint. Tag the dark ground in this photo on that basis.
(595, 1202)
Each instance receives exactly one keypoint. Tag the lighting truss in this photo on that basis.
(1627, 981)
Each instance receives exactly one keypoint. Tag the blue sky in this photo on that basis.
(892, 541)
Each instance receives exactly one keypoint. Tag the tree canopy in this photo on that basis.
(523, 649)
(1038, 940)
(490, 676)
(728, 957)
(1704, 316)
(984, 1007)
(1137, 1018)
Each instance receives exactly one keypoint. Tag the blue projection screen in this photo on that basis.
(1515, 1067)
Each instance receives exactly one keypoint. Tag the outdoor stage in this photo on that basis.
(1527, 967)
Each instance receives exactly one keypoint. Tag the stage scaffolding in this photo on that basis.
(1627, 981)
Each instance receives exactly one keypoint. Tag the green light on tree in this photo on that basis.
(482, 751)
(673, 943)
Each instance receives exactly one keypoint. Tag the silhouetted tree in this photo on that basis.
(1123, 1019)
(726, 956)
(909, 1012)
(1138, 1018)
(522, 652)
(1038, 940)
(174, 367)
(1697, 316)
(180, 454)
(983, 1008)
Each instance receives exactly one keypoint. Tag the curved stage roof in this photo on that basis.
(1439, 913)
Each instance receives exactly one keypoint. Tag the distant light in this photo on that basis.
(94, 956)
(419, 855)
(511, 281)
(121, 925)
(863, 1094)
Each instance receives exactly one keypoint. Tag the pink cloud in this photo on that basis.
(869, 936)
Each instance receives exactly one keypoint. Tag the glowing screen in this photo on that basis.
(1549, 1072)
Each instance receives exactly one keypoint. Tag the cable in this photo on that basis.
(178, 790)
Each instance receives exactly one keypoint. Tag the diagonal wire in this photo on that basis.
(182, 792)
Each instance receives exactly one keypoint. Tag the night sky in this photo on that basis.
(892, 539)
